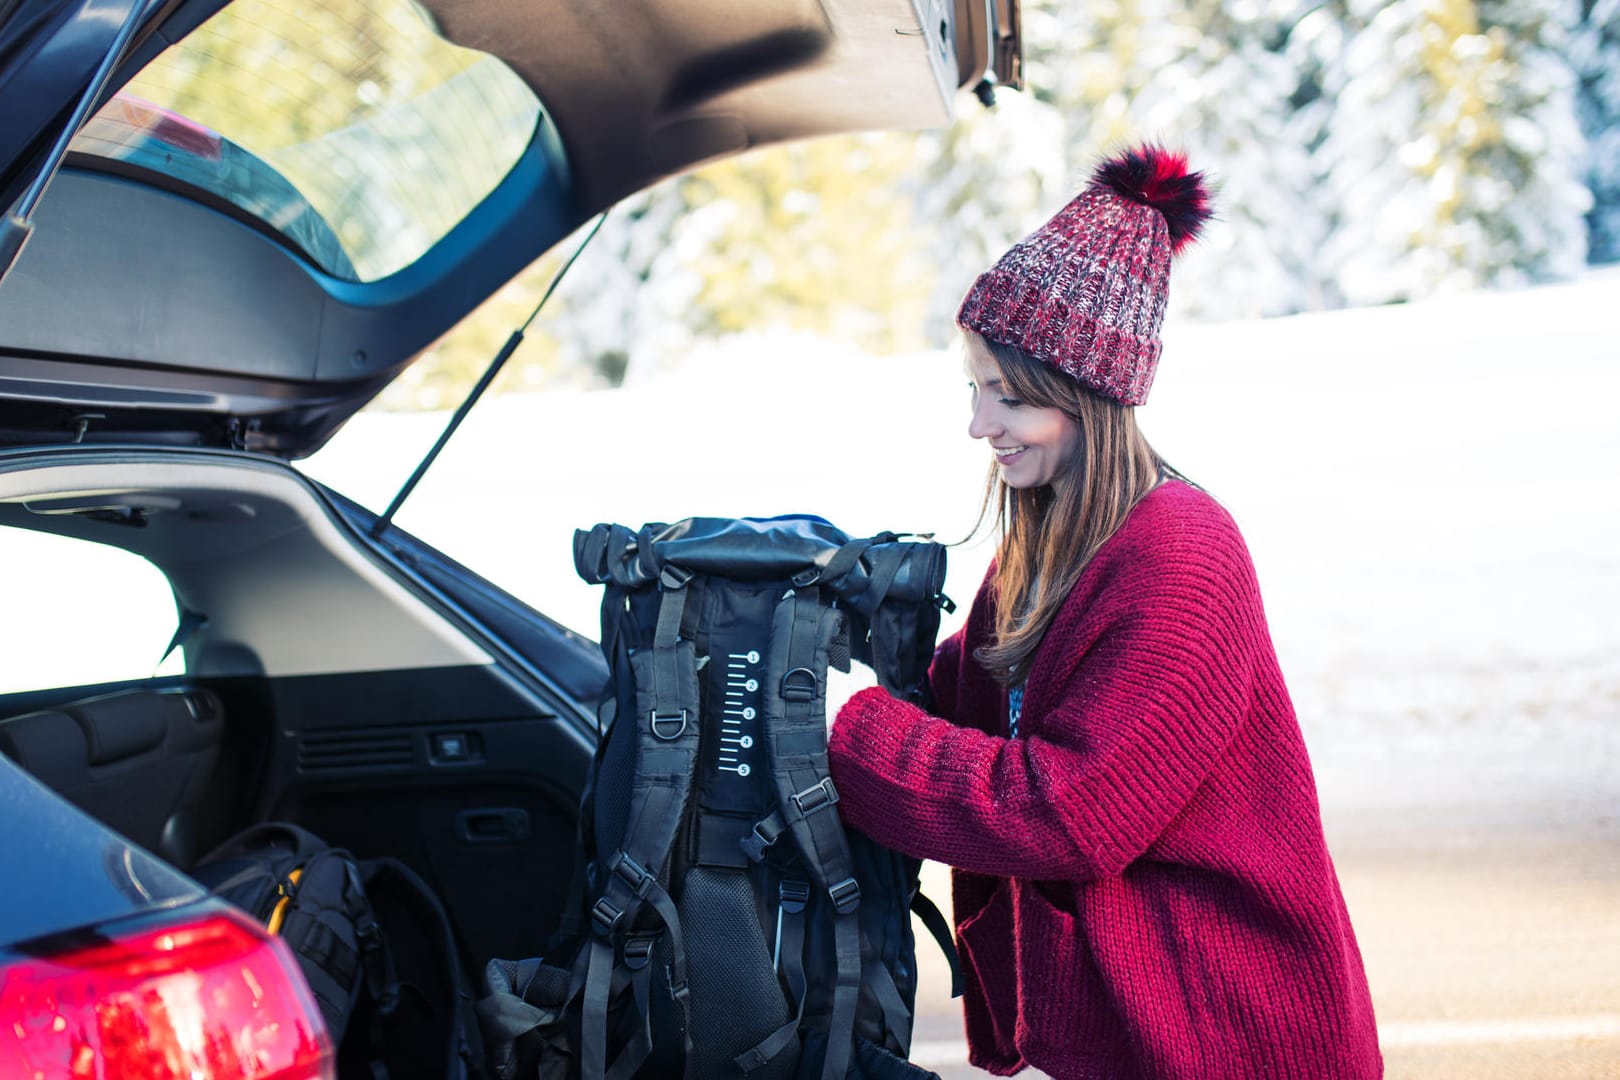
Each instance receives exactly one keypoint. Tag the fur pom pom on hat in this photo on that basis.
(1086, 292)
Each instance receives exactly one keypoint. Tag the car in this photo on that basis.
(229, 226)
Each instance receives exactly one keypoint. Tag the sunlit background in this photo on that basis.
(1392, 357)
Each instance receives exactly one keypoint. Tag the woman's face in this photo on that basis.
(1032, 444)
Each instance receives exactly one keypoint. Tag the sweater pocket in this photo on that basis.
(1067, 1023)
(985, 943)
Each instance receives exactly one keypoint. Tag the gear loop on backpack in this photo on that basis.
(655, 718)
(801, 685)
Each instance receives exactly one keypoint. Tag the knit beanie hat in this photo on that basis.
(1086, 291)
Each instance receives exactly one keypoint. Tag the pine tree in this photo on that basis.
(981, 185)
(1218, 81)
(1228, 99)
(1595, 55)
(1453, 154)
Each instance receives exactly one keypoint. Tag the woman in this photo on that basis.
(1114, 770)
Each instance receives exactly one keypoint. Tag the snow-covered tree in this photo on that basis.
(1453, 156)
(1595, 55)
(1217, 80)
(1229, 100)
(983, 184)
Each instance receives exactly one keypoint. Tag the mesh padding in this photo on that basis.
(736, 999)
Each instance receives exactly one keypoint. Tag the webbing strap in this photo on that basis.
(796, 718)
(844, 560)
(593, 1026)
(670, 705)
(841, 1028)
(793, 896)
(638, 957)
(883, 574)
(896, 1017)
(934, 919)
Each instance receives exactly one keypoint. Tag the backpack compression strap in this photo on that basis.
(667, 730)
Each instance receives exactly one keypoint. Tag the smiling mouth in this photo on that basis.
(1003, 453)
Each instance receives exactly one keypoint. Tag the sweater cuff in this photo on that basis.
(862, 709)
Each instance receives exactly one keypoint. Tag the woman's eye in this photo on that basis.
(1011, 403)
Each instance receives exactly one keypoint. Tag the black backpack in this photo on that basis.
(726, 924)
(373, 943)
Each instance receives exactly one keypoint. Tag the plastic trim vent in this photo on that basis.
(344, 751)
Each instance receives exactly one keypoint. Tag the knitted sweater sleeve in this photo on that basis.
(1143, 680)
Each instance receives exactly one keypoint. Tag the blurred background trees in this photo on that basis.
(1365, 152)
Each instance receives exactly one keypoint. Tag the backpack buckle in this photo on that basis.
(800, 684)
(630, 872)
(605, 916)
(766, 832)
(846, 895)
(674, 577)
(655, 718)
(815, 798)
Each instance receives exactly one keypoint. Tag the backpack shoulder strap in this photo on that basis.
(795, 714)
(667, 725)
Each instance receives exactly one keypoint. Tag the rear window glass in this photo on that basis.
(351, 128)
(82, 613)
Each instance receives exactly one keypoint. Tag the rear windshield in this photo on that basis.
(351, 127)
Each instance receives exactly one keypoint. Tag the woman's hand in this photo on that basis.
(842, 687)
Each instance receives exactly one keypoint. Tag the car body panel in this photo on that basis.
(68, 870)
(205, 327)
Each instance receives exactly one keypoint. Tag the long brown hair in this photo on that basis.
(1049, 534)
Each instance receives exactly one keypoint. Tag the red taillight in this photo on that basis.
(215, 999)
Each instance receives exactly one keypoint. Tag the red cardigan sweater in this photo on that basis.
(1141, 884)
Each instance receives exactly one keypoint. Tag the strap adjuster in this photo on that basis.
(630, 872)
(846, 895)
(605, 916)
(792, 896)
(638, 952)
(815, 798)
(674, 577)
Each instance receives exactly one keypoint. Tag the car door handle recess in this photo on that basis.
(493, 825)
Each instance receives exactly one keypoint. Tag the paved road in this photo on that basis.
(1491, 935)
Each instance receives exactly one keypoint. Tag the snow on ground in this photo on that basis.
(1430, 493)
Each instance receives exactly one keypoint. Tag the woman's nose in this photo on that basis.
(982, 424)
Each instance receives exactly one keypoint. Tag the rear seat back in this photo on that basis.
(137, 760)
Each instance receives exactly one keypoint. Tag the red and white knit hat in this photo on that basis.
(1086, 291)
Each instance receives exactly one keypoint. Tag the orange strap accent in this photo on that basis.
(279, 912)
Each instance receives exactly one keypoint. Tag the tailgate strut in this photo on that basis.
(478, 389)
(15, 226)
